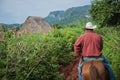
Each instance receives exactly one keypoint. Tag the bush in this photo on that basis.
(106, 12)
(39, 56)
(111, 48)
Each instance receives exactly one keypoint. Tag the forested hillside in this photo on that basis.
(68, 16)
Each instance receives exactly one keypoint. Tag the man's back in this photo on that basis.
(88, 46)
(91, 44)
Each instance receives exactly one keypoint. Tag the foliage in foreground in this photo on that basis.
(38, 57)
(111, 47)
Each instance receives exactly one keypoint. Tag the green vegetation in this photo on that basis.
(111, 47)
(68, 16)
(106, 12)
(39, 56)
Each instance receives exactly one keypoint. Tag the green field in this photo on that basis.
(39, 56)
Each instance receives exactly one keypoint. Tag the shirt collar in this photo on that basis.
(89, 30)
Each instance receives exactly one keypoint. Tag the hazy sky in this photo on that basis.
(16, 11)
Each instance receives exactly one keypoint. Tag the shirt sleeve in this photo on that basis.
(78, 46)
(101, 43)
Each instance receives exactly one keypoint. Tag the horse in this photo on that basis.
(94, 70)
(91, 70)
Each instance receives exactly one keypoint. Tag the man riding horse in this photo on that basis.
(89, 46)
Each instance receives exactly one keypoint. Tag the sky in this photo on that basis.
(16, 11)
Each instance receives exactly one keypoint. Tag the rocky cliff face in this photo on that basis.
(34, 24)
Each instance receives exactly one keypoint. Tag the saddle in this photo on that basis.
(90, 59)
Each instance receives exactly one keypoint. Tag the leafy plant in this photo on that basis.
(106, 12)
(39, 56)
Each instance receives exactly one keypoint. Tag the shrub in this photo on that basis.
(39, 56)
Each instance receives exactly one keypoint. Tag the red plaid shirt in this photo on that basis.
(89, 44)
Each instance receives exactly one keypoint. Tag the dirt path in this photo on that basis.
(71, 71)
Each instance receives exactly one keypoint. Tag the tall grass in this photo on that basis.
(111, 47)
(39, 56)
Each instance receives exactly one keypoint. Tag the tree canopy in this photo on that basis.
(106, 12)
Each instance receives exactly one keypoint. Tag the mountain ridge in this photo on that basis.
(68, 16)
(63, 17)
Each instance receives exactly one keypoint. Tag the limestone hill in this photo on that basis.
(34, 24)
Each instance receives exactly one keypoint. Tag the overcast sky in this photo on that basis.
(16, 11)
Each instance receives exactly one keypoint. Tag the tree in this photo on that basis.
(56, 26)
(106, 12)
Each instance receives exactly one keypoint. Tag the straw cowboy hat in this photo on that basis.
(89, 25)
